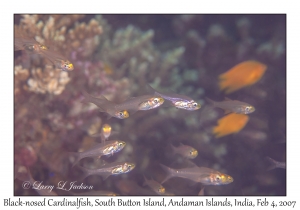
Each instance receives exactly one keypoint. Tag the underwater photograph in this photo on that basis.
(149, 105)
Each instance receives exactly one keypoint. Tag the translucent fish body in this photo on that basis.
(29, 45)
(106, 106)
(185, 151)
(203, 175)
(145, 102)
(179, 101)
(234, 106)
(106, 148)
(58, 60)
(110, 169)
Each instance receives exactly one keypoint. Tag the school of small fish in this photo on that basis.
(30, 45)
(236, 118)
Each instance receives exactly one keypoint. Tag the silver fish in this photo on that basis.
(59, 61)
(203, 175)
(235, 106)
(21, 42)
(185, 151)
(105, 106)
(144, 102)
(179, 101)
(106, 148)
(109, 169)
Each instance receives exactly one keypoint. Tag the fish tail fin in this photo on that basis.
(217, 133)
(272, 162)
(227, 87)
(100, 102)
(145, 180)
(168, 171)
(86, 99)
(77, 157)
(222, 85)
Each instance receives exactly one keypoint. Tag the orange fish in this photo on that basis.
(229, 124)
(244, 74)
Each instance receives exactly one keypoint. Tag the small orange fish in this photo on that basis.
(244, 74)
(229, 124)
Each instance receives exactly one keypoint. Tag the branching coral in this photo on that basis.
(49, 80)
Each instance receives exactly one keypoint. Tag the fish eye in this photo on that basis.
(121, 114)
(195, 104)
(218, 178)
(156, 100)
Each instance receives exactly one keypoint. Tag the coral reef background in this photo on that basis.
(117, 56)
